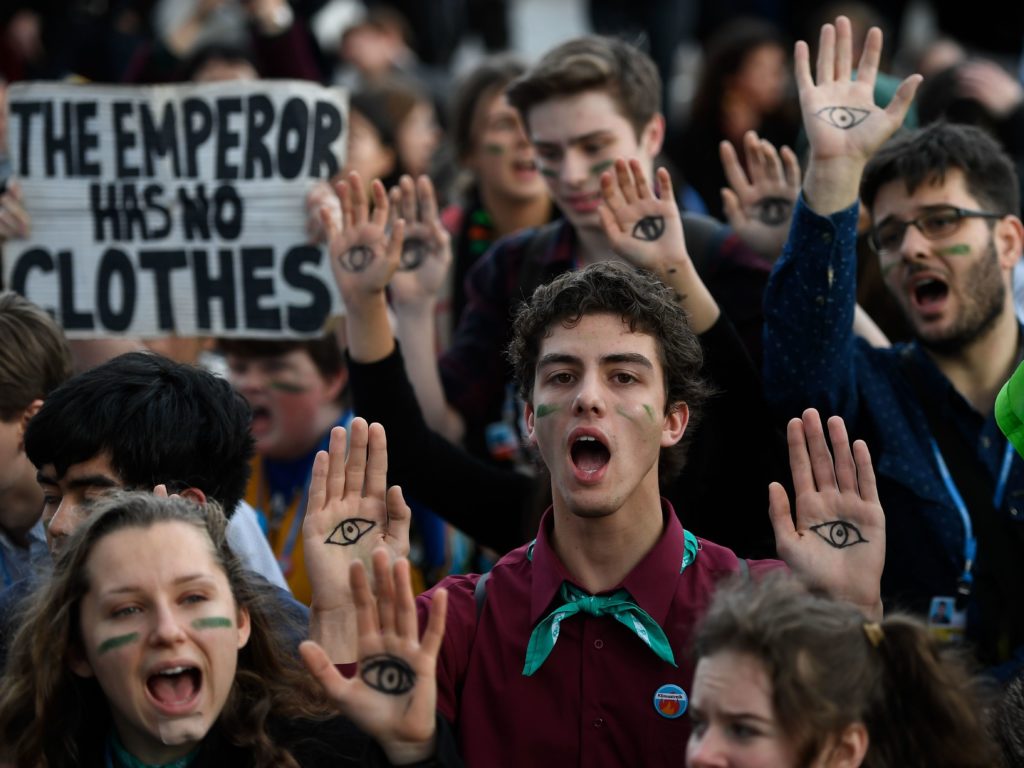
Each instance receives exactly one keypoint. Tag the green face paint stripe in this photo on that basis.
(546, 410)
(623, 412)
(284, 386)
(116, 642)
(961, 249)
(598, 168)
(548, 172)
(494, 149)
(650, 411)
(213, 622)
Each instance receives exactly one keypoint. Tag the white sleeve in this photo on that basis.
(248, 541)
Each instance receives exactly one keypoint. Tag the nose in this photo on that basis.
(63, 523)
(574, 168)
(914, 244)
(167, 628)
(589, 397)
(705, 750)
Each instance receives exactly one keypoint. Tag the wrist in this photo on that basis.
(417, 754)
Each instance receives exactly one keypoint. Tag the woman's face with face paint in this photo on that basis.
(160, 633)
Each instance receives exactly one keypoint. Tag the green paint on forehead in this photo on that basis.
(598, 168)
(286, 386)
(960, 249)
(650, 412)
(116, 642)
(213, 622)
(546, 410)
(494, 149)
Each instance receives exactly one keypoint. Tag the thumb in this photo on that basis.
(399, 521)
(734, 213)
(780, 514)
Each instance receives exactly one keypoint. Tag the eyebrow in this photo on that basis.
(573, 139)
(180, 580)
(557, 358)
(85, 481)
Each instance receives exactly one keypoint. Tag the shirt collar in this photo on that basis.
(651, 584)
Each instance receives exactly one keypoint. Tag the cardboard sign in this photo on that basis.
(174, 209)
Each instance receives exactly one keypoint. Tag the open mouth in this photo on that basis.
(589, 455)
(524, 166)
(260, 418)
(929, 293)
(175, 688)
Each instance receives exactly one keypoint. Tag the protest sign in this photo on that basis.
(174, 209)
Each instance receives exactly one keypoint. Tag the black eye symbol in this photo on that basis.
(839, 533)
(356, 259)
(388, 674)
(414, 253)
(843, 117)
(773, 210)
(350, 531)
(649, 228)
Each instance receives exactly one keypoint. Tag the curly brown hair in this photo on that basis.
(646, 304)
(47, 712)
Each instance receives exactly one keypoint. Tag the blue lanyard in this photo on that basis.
(970, 542)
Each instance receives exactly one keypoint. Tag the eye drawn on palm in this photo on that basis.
(839, 113)
(838, 542)
(759, 201)
(351, 511)
(644, 229)
(426, 253)
(394, 695)
(364, 255)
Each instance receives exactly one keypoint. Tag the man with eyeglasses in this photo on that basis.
(944, 204)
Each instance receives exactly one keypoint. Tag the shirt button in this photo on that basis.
(599, 644)
(599, 722)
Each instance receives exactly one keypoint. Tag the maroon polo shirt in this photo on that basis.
(592, 701)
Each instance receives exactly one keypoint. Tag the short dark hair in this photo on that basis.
(485, 80)
(159, 421)
(323, 351)
(927, 154)
(34, 356)
(593, 63)
(230, 53)
(642, 301)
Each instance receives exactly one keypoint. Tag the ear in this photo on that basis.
(193, 494)
(675, 423)
(848, 748)
(1008, 236)
(78, 663)
(653, 135)
(26, 415)
(530, 433)
(244, 627)
(335, 385)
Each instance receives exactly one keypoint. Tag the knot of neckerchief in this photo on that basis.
(619, 605)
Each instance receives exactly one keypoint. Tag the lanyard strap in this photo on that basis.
(970, 542)
(8, 579)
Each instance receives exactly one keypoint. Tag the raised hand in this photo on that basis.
(364, 254)
(759, 201)
(350, 513)
(322, 204)
(427, 252)
(393, 697)
(643, 229)
(838, 542)
(839, 113)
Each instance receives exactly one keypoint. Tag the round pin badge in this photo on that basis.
(670, 701)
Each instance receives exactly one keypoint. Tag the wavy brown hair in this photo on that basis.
(47, 712)
(920, 705)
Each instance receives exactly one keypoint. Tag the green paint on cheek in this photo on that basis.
(548, 172)
(213, 622)
(956, 250)
(649, 411)
(546, 410)
(598, 168)
(116, 642)
(623, 412)
(494, 149)
(284, 386)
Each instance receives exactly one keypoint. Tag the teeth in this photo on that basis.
(586, 438)
(173, 671)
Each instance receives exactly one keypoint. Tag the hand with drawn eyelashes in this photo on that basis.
(837, 544)
(350, 513)
(393, 696)
(427, 253)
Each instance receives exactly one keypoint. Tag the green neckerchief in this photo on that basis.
(619, 605)
(1010, 409)
(119, 757)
